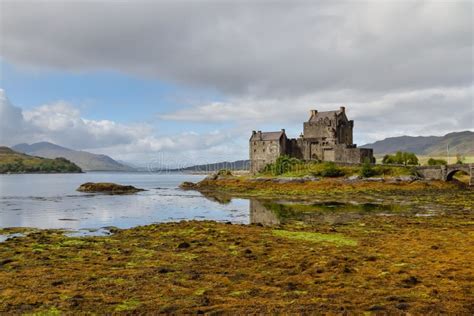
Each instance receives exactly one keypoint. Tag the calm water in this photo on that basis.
(51, 201)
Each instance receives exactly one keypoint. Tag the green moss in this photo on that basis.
(336, 239)
(53, 311)
(128, 305)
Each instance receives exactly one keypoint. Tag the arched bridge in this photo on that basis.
(446, 173)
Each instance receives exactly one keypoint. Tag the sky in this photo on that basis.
(188, 81)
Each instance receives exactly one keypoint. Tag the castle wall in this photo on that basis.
(327, 136)
(325, 129)
(263, 152)
(352, 154)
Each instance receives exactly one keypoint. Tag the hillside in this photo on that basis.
(86, 160)
(236, 165)
(459, 143)
(15, 162)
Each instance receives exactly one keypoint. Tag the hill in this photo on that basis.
(459, 143)
(86, 160)
(15, 162)
(236, 165)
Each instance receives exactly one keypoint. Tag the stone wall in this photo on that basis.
(263, 152)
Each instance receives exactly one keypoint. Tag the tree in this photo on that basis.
(401, 158)
(436, 162)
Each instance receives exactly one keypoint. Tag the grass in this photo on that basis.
(336, 239)
(321, 169)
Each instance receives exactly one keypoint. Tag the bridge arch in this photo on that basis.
(452, 171)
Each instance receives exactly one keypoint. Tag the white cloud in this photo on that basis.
(434, 111)
(61, 123)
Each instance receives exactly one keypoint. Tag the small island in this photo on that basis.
(108, 188)
(15, 162)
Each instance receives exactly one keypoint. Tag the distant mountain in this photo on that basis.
(15, 162)
(459, 143)
(86, 160)
(236, 165)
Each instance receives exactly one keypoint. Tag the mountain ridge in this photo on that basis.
(86, 160)
(458, 142)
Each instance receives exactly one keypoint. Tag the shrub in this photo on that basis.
(367, 170)
(402, 158)
(282, 165)
(436, 162)
(331, 170)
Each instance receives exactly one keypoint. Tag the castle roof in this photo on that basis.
(268, 135)
(316, 115)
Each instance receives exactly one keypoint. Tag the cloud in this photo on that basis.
(265, 49)
(400, 67)
(61, 123)
(434, 111)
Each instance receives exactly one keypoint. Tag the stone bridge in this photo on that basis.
(446, 173)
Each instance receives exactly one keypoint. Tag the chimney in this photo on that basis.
(283, 130)
(313, 113)
(254, 132)
(343, 109)
(259, 135)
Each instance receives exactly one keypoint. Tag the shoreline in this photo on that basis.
(210, 267)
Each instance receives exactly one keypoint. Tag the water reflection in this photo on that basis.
(50, 201)
(270, 213)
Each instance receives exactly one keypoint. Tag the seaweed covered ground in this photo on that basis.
(336, 188)
(408, 250)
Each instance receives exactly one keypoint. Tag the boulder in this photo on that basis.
(186, 185)
(374, 179)
(354, 178)
(108, 188)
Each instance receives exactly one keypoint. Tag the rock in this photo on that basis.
(5, 261)
(407, 178)
(376, 308)
(402, 306)
(374, 179)
(411, 281)
(184, 245)
(186, 185)
(164, 270)
(211, 177)
(108, 188)
(354, 178)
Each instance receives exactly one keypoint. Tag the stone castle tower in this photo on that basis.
(327, 136)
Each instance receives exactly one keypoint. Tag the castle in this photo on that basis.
(327, 136)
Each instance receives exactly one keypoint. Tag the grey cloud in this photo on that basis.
(250, 48)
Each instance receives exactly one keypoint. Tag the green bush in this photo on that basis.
(282, 165)
(401, 158)
(329, 170)
(436, 162)
(367, 171)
